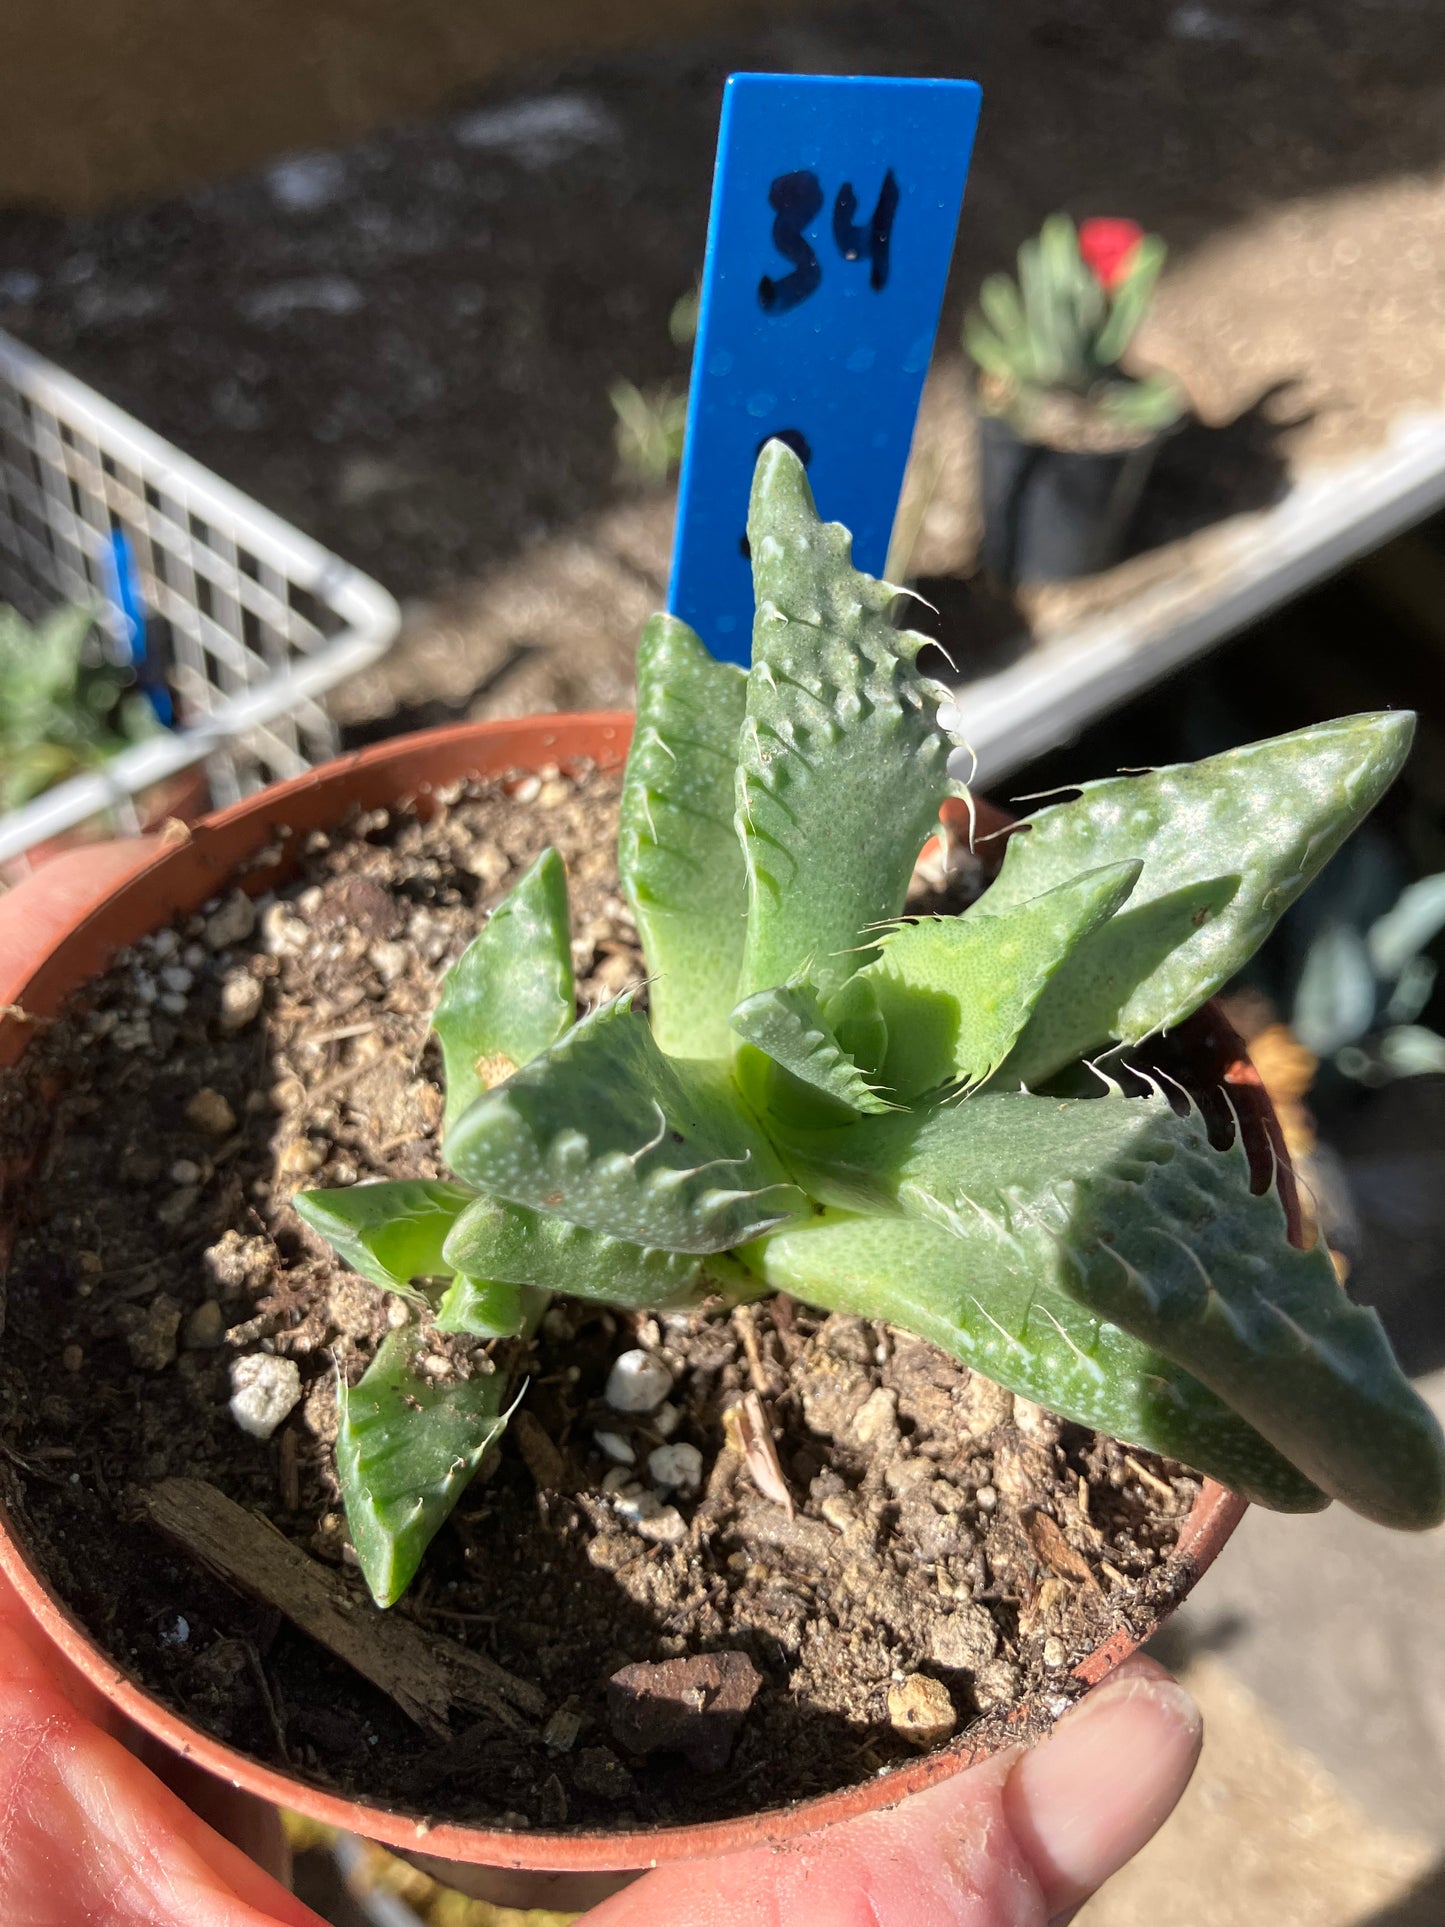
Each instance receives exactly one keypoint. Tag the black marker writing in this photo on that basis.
(854, 242)
(797, 199)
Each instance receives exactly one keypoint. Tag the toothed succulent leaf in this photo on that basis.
(485, 1307)
(510, 994)
(857, 1022)
(1127, 1207)
(954, 992)
(678, 852)
(407, 1445)
(841, 764)
(1081, 1009)
(973, 1294)
(389, 1232)
(1270, 814)
(534, 1248)
(789, 1028)
(606, 1130)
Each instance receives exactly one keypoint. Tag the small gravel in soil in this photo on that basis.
(160, 1275)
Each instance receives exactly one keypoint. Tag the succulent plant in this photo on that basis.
(1365, 981)
(1064, 326)
(59, 712)
(651, 423)
(829, 1098)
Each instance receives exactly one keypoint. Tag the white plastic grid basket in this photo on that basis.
(253, 620)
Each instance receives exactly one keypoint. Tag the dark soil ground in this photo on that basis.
(938, 1530)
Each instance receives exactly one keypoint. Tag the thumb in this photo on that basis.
(86, 1832)
(1013, 1842)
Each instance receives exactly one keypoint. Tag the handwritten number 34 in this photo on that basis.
(797, 200)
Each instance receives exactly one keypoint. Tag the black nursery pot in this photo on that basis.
(1050, 514)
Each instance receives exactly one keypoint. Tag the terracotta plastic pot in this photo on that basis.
(186, 796)
(119, 893)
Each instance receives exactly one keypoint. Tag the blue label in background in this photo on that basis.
(835, 205)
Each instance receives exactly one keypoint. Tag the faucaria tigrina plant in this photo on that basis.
(833, 1100)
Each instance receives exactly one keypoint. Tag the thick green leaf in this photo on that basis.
(489, 1308)
(1270, 814)
(841, 766)
(1416, 919)
(606, 1130)
(678, 850)
(533, 1248)
(1410, 1050)
(976, 1299)
(1082, 1006)
(857, 1022)
(1130, 301)
(788, 1026)
(509, 995)
(1146, 406)
(999, 300)
(390, 1232)
(406, 1448)
(1005, 361)
(1126, 1207)
(1337, 995)
(954, 992)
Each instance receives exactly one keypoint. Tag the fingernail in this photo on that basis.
(1086, 1800)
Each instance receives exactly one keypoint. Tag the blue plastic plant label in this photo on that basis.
(835, 205)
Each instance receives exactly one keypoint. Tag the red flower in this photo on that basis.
(1108, 248)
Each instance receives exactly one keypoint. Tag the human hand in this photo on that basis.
(89, 1834)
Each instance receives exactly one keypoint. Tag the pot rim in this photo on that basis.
(186, 873)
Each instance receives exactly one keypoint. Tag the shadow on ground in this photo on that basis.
(1423, 1906)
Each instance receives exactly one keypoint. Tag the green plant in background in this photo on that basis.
(651, 423)
(1063, 327)
(1364, 985)
(59, 713)
(833, 1100)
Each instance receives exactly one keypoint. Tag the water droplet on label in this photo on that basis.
(861, 360)
(762, 403)
(721, 363)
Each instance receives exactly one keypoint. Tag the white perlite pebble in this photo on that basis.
(264, 1391)
(232, 923)
(638, 1382)
(664, 1528)
(666, 1420)
(282, 930)
(241, 996)
(676, 1466)
(635, 1506)
(389, 960)
(614, 1446)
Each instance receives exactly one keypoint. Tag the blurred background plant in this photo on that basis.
(652, 422)
(1366, 981)
(1049, 345)
(62, 710)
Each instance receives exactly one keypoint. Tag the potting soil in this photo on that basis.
(921, 1521)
